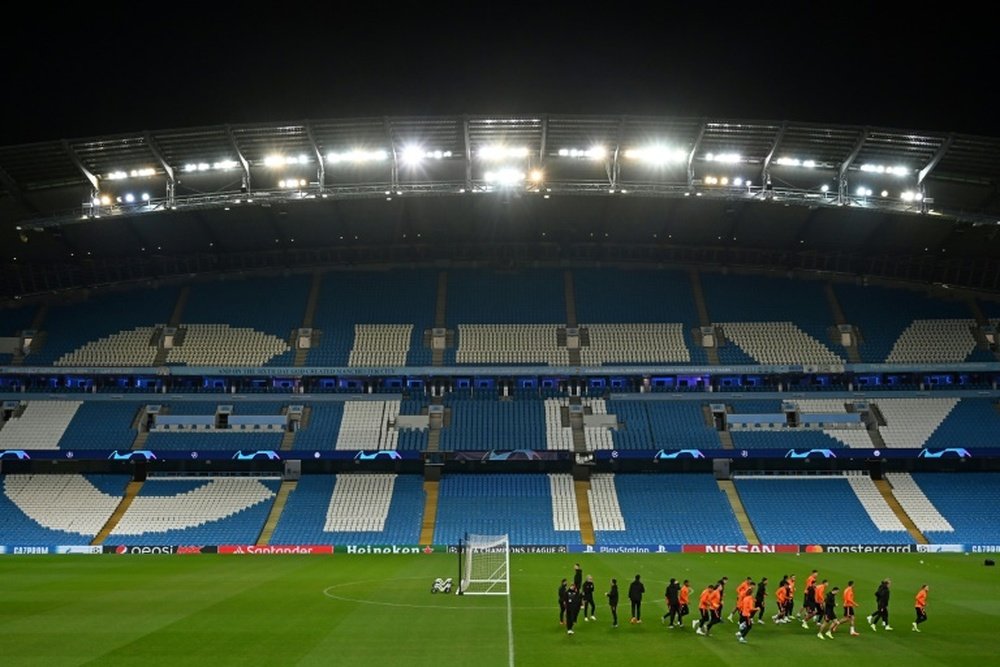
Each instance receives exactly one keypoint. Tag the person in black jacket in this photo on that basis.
(635, 591)
(588, 599)
(672, 594)
(562, 602)
(759, 599)
(573, 602)
(613, 602)
(577, 577)
(881, 606)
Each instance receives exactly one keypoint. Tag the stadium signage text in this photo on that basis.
(364, 549)
(859, 548)
(741, 548)
(626, 549)
(157, 549)
(306, 549)
(985, 549)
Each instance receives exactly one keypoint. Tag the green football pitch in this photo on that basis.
(378, 611)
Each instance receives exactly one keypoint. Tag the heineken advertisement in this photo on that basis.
(389, 549)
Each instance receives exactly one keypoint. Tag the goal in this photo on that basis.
(484, 565)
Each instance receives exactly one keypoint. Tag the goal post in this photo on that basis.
(484, 565)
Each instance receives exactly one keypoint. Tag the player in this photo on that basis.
(759, 599)
(782, 595)
(714, 608)
(746, 606)
(809, 596)
(808, 605)
(829, 622)
(672, 595)
(562, 602)
(821, 602)
(881, 606)
(722, 595)
(849, 606)
(740, 592)
(635, 591)
(791, 598)
(920, 604)
(683, 598)
(705, 609)
(578, 577)
(613, 602)
(588, 599)
(573, 602)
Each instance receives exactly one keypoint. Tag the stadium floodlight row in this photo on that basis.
(803, 163)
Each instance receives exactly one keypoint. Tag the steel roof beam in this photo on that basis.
(846, 164)
(321, 170)
(930, 166)
(167, 169)
(394, 173)
(78, 163)
(694, 149)
(468, 155)
(240, 157)
(765, 172)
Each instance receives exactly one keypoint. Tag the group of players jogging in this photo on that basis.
(819, 604)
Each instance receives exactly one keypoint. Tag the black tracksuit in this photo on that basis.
(613, 603)
(673, 602)
(562, 602)
(573, 602)
(588, 598)
(635, 591)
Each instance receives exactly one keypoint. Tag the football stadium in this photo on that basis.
(366, 390)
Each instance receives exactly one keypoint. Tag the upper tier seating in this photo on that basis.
(358, 309)
(74, 332)
(615, 304)
(221, 344)
(895, 325)
(509, 344)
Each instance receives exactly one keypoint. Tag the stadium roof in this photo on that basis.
(914, 205)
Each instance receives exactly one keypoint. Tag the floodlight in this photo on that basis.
(274, 161)
(726, 158)
(861, 191)
(724, 180)
(824, 188)
(105, 200)
(506, 176)
(537, 176)
(738, 182)
(885, 193)
(129, 198)
(145, 196)
(789, 162)
(657, 154)
(500, 152)
(117, 175)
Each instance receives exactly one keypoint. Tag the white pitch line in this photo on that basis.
(510, 630)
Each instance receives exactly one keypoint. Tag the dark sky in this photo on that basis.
(107, 72)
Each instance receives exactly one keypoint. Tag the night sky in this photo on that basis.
(106, 73)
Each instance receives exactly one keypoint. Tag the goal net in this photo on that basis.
(484, 564)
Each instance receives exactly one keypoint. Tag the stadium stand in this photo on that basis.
(657, 509)
(973, 422)
(73, 333)
(486, 423)
(916, 504)
(213, 440)
(637, 316)
(565, 516)
(661, 424)
(358, 509)
(101, 425)
(366, 425)
(13, 321)
(970, 502)
(323, 428)
(41, 425)
(802, 510)
(510, 344)
(203, 510)
(898, 326)
(770, 320)
(491, 504)
(57, 509)
(910, 422)
(359, 310)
